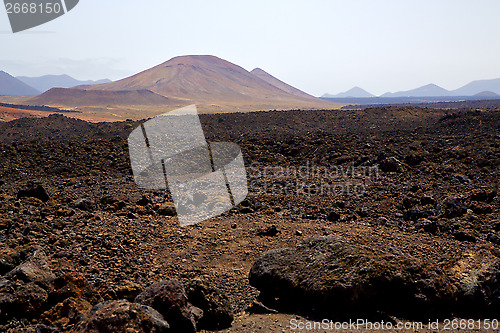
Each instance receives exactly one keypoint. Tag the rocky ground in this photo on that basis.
(385, 213)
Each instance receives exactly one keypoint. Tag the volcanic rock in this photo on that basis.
(20, 300)
(32, 190)
(217, 310)
(169, 298)
(391, 164)
(123, 316)
(452, 207)
(35, 269)
(332, 276)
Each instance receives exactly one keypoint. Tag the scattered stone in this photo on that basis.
(270, 231)
(493, 238)
(166, 209)
(413, 159)
(259, 308)
(169, 298)
(427, 225)
(479, 195)
(463, 179)
(480, 207)
(333, 216)
(298, 233)
(427, 200)
(463, 236)
(246, 210)
(71, 285)
(477, 274)
(32, 190)
(83, 204)
(41, 328)
(415, 214)
(216, 307)
(132, 216)
(123, 316)
(383, 220)
(144, 201)
(391, 164)
(452, 207)
(9, 259)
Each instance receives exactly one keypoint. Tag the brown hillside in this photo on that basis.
(279, 84)
(80, 97)
(208, 80)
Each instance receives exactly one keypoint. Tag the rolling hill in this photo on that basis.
(9, 86)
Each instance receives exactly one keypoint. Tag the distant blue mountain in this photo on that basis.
(354, 92)
(479, 86)
(47, 82)
(430, 90)
(9, 85)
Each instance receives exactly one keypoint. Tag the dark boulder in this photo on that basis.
(169, 298)
(391, 164)
(32, 190)
(217, 310)
(21, 300)
(332, 276)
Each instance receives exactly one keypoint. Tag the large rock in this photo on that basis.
(35, 269)
(169, 298)
(477, 274)
(67, 313)
(21, 300)
(72, 285)
(217, 310)
(123, 317)
(332, 276)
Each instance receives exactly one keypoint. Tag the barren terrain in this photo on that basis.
(430, 205)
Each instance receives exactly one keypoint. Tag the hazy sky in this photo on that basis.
(318, 46)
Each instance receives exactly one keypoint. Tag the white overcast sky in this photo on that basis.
(318, 46)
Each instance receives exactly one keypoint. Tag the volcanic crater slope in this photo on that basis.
(212, 83)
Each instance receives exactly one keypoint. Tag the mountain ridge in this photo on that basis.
(9, 85)
(471, 89)
(279, 84)
(356, 92)
(47, 82)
